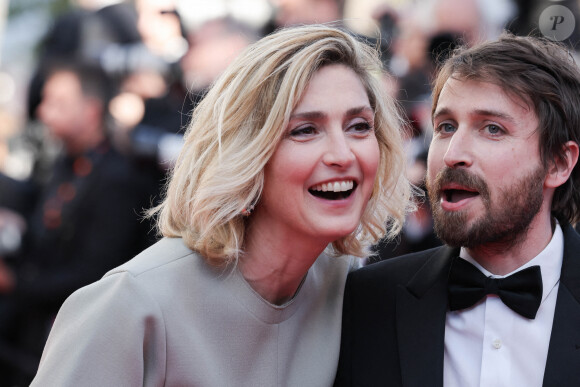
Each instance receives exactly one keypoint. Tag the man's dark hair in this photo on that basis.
(544, 75)
(93, 79)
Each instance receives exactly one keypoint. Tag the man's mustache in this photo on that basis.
(457, 176)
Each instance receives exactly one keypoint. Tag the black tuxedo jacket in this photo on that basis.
(394, 321)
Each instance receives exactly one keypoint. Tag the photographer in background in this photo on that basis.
(85, 220)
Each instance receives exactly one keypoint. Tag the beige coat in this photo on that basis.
(166, 318)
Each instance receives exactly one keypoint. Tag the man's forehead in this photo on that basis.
(494, 99)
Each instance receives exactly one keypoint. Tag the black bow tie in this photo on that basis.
(521, 291)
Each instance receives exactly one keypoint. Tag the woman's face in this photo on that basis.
(321, 176)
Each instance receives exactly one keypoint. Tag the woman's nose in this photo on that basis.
(338, 152)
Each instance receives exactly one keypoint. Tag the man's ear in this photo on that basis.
(562, 167)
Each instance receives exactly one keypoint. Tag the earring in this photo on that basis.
(248, 210)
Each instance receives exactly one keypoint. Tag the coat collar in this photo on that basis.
(563, 364)
(571, 265)
(421, 308)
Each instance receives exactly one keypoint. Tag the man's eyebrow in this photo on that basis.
(493, 113)
(478, 112)
(440, 112)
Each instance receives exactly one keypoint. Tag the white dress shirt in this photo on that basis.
(489, 345)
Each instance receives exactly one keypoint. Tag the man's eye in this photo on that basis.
(446, 128)
(494, 129)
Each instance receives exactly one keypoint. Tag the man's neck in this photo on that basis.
(501, 258)
(85, 143)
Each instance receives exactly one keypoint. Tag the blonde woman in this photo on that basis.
(292, 164)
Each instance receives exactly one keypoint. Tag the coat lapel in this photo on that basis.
(563, 364)
(421, 308)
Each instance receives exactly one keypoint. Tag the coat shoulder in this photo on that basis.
(163, 253)
(403, 267)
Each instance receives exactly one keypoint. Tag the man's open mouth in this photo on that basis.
(456, 195)
(334, 190)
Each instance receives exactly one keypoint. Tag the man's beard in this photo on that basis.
(504, 223)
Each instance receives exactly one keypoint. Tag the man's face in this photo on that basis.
(485, 177)
(64, 107)
(296, 12)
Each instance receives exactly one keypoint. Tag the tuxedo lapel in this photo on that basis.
(563, 363)
(420, 310)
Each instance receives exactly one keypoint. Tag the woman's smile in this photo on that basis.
(333, 190)
(319, 180)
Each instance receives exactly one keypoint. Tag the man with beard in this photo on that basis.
(499, 305)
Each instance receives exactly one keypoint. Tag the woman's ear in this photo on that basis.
(562, 167)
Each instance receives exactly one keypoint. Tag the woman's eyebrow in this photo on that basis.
(312, 115)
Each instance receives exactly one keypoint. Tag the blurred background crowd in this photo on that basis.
(95, 96)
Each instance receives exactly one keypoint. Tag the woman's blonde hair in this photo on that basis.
(237, 126)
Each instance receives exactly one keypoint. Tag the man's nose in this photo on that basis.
(459, 150)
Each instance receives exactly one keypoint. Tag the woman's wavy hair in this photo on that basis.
(543, 74)
(237, 126)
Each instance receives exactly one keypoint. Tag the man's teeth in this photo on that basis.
(334, 186)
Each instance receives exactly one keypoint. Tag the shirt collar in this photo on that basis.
(550, 262)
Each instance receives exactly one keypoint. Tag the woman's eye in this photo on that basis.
(361, 127)
(303, 131)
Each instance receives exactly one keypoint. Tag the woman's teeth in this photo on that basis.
(334, 186)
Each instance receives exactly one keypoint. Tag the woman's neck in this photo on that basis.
(274, 265)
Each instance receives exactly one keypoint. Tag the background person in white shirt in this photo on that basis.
(503, 184)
